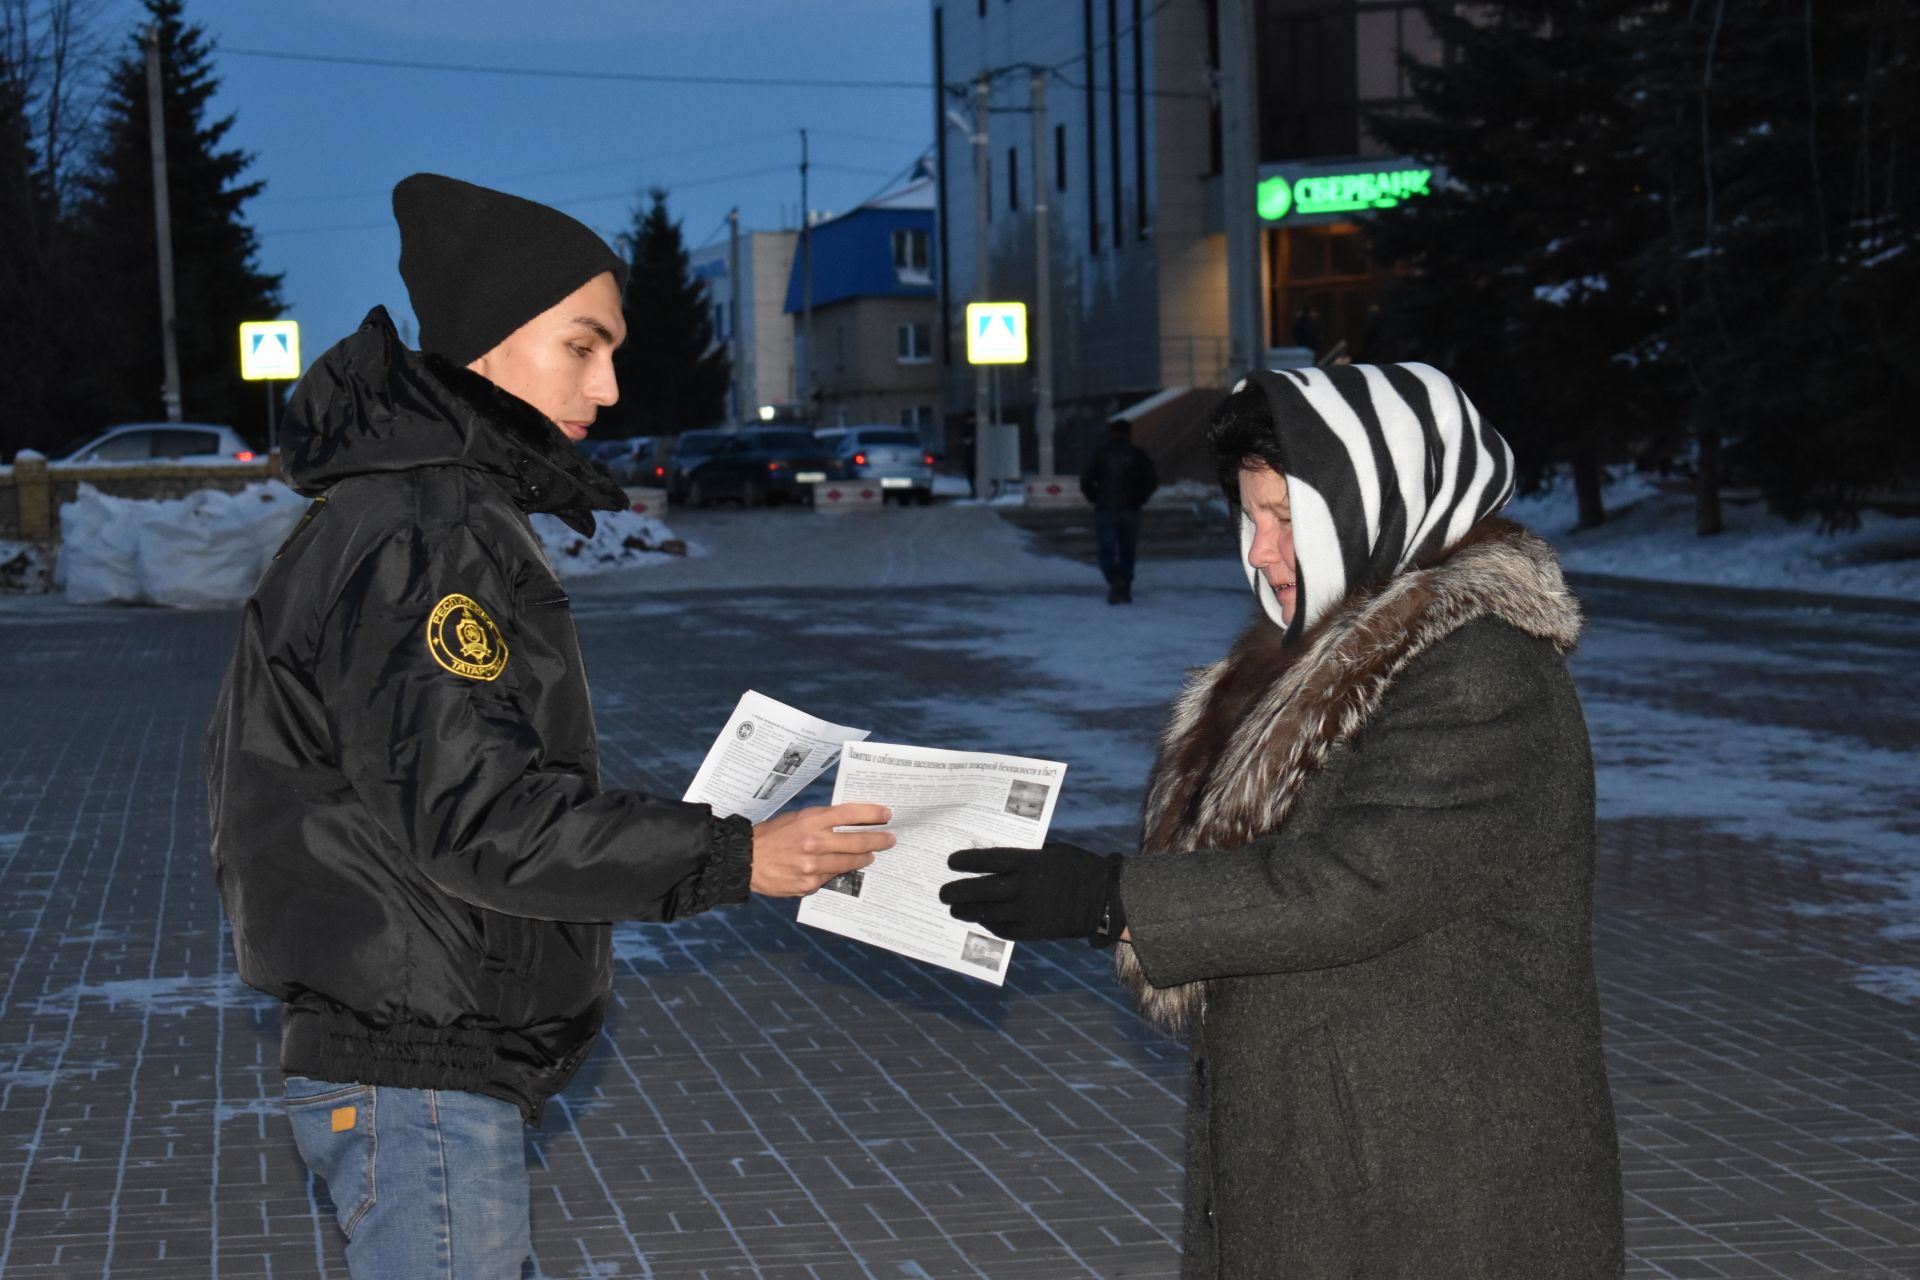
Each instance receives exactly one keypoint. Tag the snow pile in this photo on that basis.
(1174, 492)
(1649, 534)
(25, 568)
(203, 551)
(621, 540)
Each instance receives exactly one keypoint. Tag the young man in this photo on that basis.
(409, 835)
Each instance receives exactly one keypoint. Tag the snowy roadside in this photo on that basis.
(208, 549)
(1649, 534)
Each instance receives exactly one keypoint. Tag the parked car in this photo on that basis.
(760, 465)
(690, 449)
(135, 442)
(892, 457)
(645, 462)
(601, 451)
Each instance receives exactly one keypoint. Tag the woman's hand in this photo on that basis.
(1057, 891)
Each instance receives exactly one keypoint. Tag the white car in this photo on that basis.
(137, 442)
(891, 456)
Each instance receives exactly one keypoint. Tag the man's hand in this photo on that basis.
(795, 853)
(1057, 891)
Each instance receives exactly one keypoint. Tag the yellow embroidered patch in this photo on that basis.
(344, 1118)
(462, 638)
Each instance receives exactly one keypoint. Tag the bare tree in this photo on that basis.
(57, 52)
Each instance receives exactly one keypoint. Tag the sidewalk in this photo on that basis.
(774, 1101)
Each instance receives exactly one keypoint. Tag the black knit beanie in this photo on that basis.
(480, 263)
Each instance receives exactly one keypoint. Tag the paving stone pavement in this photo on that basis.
(774, 1101)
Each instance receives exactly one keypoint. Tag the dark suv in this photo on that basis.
(758, 465)
(690, 449)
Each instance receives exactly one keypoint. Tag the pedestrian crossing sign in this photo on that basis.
(269, 349)
(996, 333)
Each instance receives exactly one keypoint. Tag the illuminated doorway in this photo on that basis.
(1321, 290)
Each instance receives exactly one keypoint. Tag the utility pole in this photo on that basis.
(735, 346)
(806, 286)
(982, 391)
(1239, 144)
(1040, 324)
(162, 225)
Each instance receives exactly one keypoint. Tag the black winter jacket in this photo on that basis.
(409, 835)
(1119, 477)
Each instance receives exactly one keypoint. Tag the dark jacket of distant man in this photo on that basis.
(1120, 475)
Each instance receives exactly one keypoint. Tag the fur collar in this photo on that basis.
(1248, 732)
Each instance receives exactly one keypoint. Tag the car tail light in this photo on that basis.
(776, 465)
(245, 455)
(928, 459)
(659, 471)
(859, 459)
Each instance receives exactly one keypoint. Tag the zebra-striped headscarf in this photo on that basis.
(1385, 465)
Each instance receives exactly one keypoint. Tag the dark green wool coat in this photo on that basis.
(1377, 935)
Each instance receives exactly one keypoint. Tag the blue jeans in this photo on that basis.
(427, 1184)
(1117, 533)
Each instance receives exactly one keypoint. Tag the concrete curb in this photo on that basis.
(1755, 596)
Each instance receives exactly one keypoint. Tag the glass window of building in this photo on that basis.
(914, 342)
(910, 256)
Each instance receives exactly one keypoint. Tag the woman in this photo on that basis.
(1369, 900)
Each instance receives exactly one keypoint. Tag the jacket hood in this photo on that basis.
(370, 405)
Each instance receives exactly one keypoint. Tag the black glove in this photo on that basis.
(1056, 891)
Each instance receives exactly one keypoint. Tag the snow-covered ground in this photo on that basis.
(1649, 534)
(205, 550)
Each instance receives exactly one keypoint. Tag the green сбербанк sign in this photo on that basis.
(1280, 196)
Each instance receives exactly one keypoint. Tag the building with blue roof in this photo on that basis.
(874, 310)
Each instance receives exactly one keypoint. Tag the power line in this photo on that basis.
(634, 77)
(625, 193)
(614, 163)
(897, 175)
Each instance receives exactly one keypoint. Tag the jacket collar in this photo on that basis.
(372, 405)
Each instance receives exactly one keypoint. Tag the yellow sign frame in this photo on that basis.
(986, 343)
(275, 355)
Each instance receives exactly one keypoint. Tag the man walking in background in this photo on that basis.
(409, 834)
(1118, 480)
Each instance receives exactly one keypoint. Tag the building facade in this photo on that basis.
(759, 338)
(1136, 159)
(864, 285)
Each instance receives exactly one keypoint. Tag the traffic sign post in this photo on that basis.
(270, 352)
(996, 335)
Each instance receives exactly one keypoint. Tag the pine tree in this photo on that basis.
(1778, 130)
(1515, 272)
(673, 374)
(217, 282)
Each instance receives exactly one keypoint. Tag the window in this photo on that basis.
(910, 256)
(914, 342)
(917, 417)
(184, 444)
(1013, 177)
(125, 447)
(1059, 157)
(870, 436)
